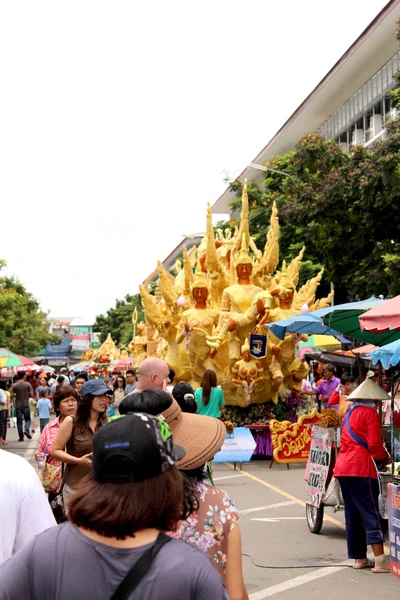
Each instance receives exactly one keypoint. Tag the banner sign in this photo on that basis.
(258, 345)
(237, 447)
(394, 527)
(318, 465)
(291, 441)
(80, 342)
(75, 330)
(59, 351)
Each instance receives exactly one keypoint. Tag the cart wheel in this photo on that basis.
(315, 517)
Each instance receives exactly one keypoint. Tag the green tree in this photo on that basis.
(342, 207)
(23, 327)
(118, 320)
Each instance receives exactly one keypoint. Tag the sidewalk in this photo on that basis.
(27, 448)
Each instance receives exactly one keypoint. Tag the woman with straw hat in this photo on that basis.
(214, 530)
(361, 445)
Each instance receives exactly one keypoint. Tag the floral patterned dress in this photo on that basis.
(208, 528)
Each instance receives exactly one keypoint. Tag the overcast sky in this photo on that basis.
(118, 120)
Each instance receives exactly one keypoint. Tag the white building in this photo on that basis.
(350, 104)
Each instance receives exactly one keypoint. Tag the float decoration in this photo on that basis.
(225, 294)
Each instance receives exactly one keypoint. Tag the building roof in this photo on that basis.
(371, 50)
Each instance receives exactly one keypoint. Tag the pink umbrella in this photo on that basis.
(122, 364)
(383, 317)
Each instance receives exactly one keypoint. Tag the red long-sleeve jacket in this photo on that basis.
(353, 460)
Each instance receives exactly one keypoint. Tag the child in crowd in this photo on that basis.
(44, 406)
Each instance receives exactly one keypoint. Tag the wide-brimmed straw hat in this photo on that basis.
(201, 436)
(368, 390)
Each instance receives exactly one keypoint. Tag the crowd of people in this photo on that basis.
(131, 480)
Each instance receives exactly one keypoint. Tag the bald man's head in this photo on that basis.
(153, 373)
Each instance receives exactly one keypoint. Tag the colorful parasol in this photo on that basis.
(9, 359)
(345, 318)
(382, 318)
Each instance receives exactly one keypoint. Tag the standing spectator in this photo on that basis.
(52, 379)
(119, 391)
(72, 377)
(24, 508)
(116, 516)
(3, 416)
(3, 387)
(65, 403)
(170, 380)
(209, 397)
(131, 382)
(184, 395)
(22, 391)
(43, 386)
(32, 410)
(64, 372)
(361, 444)
(80, 379)
(327, 385)
(338, 398)
(153, 374)
(77, 434)
(60, 381)
(44, 407)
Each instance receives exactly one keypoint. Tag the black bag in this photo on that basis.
(139, 569)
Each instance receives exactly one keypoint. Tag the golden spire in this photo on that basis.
(212, 259)
(244, 218)
(270, 258)
(167, 290)
(244, 258)
(293, 270)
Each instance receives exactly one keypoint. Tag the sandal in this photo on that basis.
(369, 564)
(384, 567)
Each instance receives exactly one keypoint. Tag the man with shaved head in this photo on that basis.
(153, 373)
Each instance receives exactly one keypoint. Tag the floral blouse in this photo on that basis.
(208, 528)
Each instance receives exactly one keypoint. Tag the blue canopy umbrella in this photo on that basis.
(388, 356)
(308, 323)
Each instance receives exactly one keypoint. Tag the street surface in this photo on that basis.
(275, 534)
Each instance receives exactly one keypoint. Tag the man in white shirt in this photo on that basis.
(24, 508)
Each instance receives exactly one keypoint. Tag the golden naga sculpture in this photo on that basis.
(221, 293)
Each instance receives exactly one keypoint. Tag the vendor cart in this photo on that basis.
(322, 488)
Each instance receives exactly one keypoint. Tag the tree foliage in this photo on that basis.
(342, 207)
(118, 320)
(23, 327)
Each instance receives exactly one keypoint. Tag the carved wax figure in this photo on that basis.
(237, 298)
(197, 323)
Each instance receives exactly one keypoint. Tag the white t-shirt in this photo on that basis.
(24, 508)
(3, 400)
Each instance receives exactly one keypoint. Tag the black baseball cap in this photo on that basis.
(95, 387)
(133, 447)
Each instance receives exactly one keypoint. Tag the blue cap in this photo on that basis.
(95, 387)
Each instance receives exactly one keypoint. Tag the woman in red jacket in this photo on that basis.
(361, 444)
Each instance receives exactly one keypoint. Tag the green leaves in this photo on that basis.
(23, 327)
(342, 207)
(118, 320)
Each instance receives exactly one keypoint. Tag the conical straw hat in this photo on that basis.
(368, 390)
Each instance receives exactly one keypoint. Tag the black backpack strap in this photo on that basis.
(139, 569)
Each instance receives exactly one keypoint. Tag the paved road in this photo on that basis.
(275, 534)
